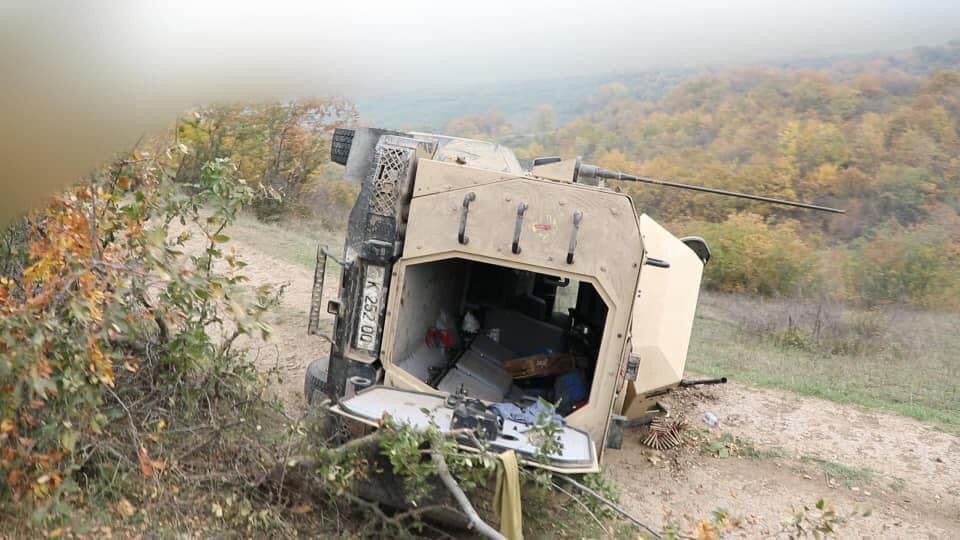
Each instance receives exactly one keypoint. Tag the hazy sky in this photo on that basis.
(363, 44)
(80, 80)
(412, 43)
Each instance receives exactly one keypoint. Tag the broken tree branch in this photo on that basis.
(443, 471)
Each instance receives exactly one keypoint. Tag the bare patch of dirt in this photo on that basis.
(290, 349)
(798, 450)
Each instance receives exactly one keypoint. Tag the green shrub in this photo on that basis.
(329, 200)
(282, 146)
(754, 257)
(917, 266)
(117, 326)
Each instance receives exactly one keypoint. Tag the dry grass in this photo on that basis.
(293, 242)
(895, 359)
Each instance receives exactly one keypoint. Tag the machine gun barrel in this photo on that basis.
(592, 171)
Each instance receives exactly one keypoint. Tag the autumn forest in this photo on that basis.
(876, 136)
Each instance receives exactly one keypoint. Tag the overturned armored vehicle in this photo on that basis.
(475, 288)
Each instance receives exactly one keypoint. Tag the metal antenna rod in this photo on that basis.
(592, 171)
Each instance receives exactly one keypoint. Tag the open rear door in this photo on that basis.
(419, 409)
(662, 315)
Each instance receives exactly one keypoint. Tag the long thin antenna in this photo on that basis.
(592, 171)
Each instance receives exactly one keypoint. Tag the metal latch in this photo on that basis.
(577, 218)
(518, 227)
(615, 433)
(633, 367)
(658, 263)
(464, 210)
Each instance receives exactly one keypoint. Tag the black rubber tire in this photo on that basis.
(340, 145)
(313, 381)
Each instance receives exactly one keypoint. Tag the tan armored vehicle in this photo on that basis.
(476, 288)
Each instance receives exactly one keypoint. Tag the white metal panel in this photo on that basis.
(406, 406)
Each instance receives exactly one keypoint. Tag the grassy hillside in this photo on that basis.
(899, 360)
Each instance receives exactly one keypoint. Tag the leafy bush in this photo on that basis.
(834, 330)
(919, 266)
(754, 257)
(280, 146)
(119, 314)
(328, 200)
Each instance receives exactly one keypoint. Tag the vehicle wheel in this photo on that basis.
(313, 381)
(340, 145)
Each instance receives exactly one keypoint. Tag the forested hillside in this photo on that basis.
(879, 137)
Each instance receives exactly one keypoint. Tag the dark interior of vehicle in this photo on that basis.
(500, 334)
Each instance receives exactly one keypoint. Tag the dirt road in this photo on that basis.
(290, 348)
(782, 451)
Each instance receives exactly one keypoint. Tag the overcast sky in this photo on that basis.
(82, 78)
(363, 45)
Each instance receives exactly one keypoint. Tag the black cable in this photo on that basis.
(610, 504)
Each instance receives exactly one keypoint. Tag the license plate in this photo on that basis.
(368, 327)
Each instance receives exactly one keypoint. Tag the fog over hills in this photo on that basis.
(569, 96)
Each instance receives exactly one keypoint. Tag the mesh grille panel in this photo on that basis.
(391, 165)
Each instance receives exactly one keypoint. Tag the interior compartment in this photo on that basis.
(499, 333)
